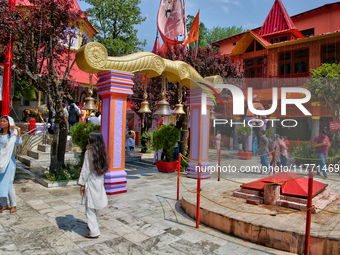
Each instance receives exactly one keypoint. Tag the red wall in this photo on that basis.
(323, 21)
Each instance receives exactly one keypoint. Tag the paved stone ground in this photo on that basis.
(145, 220)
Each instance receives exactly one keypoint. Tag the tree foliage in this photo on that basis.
(43, 35)
(218, 33)
(207, 36)
(325, 88)
(115, 21)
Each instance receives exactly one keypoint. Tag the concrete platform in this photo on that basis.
(284, 232)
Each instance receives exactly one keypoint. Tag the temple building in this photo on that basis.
(79, 79)
(288, 47)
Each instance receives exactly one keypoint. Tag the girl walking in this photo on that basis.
(10, 135)
(91, 180)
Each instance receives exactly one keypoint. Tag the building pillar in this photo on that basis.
(114, 87)
(199, 133)
(315, 127)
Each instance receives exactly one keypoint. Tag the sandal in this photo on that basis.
(88, 236)
(13, 209)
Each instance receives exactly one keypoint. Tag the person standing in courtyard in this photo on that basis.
(284, 151)
(321, 143)
(263, 150)
(217, 141)
(91, 180)
(10, 135)
(254, 144)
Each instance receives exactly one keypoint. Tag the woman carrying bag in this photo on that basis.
(10, 135)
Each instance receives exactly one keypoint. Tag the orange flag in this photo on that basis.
(194, 30)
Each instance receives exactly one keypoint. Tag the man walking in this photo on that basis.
(263, 150)
(321, 143)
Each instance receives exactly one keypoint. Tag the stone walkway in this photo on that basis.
(145, 220)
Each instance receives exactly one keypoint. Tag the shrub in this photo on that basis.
(70, 172)
(147, 137)
(80, 136)
(304, 150)
(166, 138)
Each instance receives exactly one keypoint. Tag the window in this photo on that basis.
(283, 38)
(249, 62)
(330, 53)
(293, 62)
(234, 43)
(255, 67)
(259, 46)
(308, 32)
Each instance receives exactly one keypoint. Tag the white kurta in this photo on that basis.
(95, 195)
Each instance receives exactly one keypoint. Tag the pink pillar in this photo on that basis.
(114, 87)
(199, 133)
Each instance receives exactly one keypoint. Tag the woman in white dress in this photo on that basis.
(91, 180)
(10, 135)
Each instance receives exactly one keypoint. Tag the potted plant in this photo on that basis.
(166, 138)
(244, 132)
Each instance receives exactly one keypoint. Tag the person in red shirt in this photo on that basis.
(286, 140)
(321, 143)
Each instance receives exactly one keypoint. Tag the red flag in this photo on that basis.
(194, 30)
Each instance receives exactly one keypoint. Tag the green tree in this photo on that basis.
(43, 57)
(218, 33)
(325, 88)
(115, 21)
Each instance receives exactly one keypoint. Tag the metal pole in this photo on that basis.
(309, 212)
(219, 164)
(7, 82)
(178, 173)
(198, 196)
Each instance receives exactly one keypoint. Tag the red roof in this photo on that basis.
(277, 20)
(261, 39)
(297, 186)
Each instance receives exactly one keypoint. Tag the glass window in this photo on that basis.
(300, 67)
(283, 38)
(330, 49)
(285, 56)
(333, 60)
(285, 69)
(259, 46)
(301, 54)
(249, 62)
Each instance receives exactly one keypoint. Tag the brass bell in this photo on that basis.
(179, 109)
(144, 108)
(163, 108)
(89, 104)
(212, 114)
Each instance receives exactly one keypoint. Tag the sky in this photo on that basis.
(224, 13)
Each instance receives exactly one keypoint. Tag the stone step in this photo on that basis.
(42, 162)
(44, 147)
(240, 194)
(33, 162)
(39, 155)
